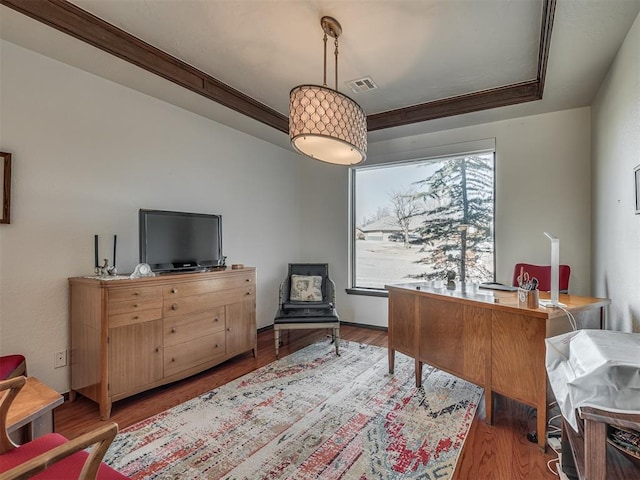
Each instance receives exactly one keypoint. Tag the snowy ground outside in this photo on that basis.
(381, 263)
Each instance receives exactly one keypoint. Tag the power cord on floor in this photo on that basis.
(556, 461)
(553, 433)
(554, 443)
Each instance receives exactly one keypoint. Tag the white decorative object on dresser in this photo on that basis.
(131, 335)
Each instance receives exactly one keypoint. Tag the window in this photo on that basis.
(419, 220)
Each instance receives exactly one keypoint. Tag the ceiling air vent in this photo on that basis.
(362, 85)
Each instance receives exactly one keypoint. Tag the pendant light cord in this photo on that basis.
(324, 82)
(336, 42)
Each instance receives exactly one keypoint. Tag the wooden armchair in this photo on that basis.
(52, 456)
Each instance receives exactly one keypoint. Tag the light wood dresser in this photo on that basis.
(131, 335)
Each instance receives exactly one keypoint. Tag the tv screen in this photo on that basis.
(178, 241)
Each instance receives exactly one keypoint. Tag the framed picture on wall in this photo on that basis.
(5, 184)
(636, 174)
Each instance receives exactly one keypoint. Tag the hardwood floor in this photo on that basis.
(500, 452)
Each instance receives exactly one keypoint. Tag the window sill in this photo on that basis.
(367, 292)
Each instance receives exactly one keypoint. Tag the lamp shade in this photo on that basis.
(326, 125)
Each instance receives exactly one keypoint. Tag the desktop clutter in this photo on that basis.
(528, 293)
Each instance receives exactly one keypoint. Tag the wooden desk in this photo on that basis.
(33, 408)
(482, 336)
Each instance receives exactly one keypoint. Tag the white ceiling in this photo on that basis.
(415, 50)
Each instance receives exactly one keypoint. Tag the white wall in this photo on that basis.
(616, 151)
(87, 154)
(543, 183)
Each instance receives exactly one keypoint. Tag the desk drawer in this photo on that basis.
(190, 354)
(207, 301)
(133, 306)
(188, 289)
(132, 294)
(130, 318)
(190, 327)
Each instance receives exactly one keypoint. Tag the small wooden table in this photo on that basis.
(32, 410)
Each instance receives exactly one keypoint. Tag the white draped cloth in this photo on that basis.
(596, 368)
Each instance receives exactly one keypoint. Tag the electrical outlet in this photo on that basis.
(60, 359)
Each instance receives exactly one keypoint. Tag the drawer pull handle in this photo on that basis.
(135, 317)
(157, 349)
(248, 293)
(135, 305)
(173, 330)
(228, 329)
(174, 306)
(173, 359)
(215, 346)
(248, 279)
(215, 319)
(136, 293)
(174, 290)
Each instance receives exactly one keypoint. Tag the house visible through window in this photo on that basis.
(419, 220)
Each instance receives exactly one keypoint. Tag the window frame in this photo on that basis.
(382, 292)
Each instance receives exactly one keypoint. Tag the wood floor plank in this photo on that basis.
(498, 452)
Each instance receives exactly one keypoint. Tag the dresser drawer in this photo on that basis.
(190, 327)
(131, 306)
(227, 282)
(130, 318)
(135, 293)
(206, 301)
(191, 354)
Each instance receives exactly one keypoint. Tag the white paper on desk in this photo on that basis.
(597, 368)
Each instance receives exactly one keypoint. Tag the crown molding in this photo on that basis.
(78, 23)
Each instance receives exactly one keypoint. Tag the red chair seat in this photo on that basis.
(68, 468)
(12, 366)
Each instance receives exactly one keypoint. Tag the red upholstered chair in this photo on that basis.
(12, 366)
(52, 456)
(543, 274)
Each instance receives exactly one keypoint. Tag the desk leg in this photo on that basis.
(488, 406)
(418, 373)
(392, 359)
(542, 426)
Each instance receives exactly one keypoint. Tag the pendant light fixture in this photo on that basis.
(323, 123)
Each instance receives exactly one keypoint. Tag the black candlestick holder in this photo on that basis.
(106, 270)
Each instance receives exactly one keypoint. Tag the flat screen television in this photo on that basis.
(179, 241)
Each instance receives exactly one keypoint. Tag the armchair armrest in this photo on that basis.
(14, 385)
(101, 438)
(284, 291)
(331, 291)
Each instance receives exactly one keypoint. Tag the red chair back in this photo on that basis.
(543, 274)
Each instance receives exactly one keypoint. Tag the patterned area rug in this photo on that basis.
(310, 415)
